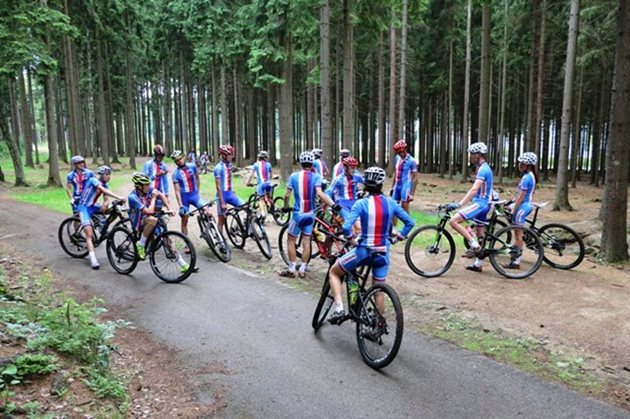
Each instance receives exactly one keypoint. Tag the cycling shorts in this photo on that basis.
(523, 211)
(75, 208)
(230, 198)
(301, 222)
(401, 193)
(192, 198)
(263, 188)
(360, 256)
(476, 210)
(86, 213)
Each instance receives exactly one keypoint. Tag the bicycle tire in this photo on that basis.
(280, 217)
(215, 241)
(323, 306)
(502, 251)
(167, 253)
(282, 243)
(121, 250)
(555, 238)
(74, 243)
(424, 247)
(379, 335)
(235, 230)
(260, 237)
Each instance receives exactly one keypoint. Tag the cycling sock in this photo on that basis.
(478, 263)
(517, 261)
(143, 240)
(292, 266)
(181, 262)
(338, 307)
(474, 243)
(303, 267)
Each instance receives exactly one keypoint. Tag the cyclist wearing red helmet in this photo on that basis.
(343, 189)
(405, 177)
(223, 179)
(338, 167)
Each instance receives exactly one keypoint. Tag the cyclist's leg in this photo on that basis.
(519, 219)
(467, 213)
(396, 196)
(293, 230)
(306, 224)
(380, 269)
(85, 213)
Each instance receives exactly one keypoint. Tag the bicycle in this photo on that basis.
(274, 205)
(210, 233)
(379, 332)
(430, 249)
(171, 255)
(564, 248)
(238, 229)
(72, 236)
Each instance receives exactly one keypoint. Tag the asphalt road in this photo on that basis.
(259, 331)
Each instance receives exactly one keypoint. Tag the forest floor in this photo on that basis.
(583, 313)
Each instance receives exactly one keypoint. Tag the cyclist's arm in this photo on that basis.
(408, 222)
(414, 184)
(217, 180)
(473, 190)
(325, 198)
(197, 179)
(69, 190)
(519, 199)
(178, 196)
(287, 195)
(355, 213)
(249, 178)
(108, 192)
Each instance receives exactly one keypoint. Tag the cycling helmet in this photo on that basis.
(77, 159)
(374, 176)
(177, 154)
(139, 178)
(478, 148)
(104, 170)
(528, 158)
(226, 150)
(262, 154)
(350, 162)
(307, 157)
(400, 146)
(345, 153)
(158, 150)
(317, 152)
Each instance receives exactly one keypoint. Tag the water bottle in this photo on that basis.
(319, 236)
(353, 290)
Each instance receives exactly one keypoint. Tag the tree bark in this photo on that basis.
(503, 98)
(51, 126)
(380, 159)
(393, 122)
(541, 79)
(11, 141)
(286, 111)
(324, 36)
(403, 72)
(484, 80)
(348, 78)
(465, 135)
(577, 131)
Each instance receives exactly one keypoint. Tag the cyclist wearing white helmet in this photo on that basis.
(223, 180)
(480, 194)
(522, 206)
(263, 172)
(305, 185)
(158, 173)
(338, 167)
(75, 181)
(376, 213)
(319, 165)
(88, 206)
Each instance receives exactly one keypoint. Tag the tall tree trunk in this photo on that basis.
(32, 115)
(26, 122)
(577, 131)
(465, 135)
(541, 79)
(450, 129)
(238, 143)
(214, 113)
(393, 122)
(224, 107)
(348, 78)
(324, 39)
(484, 80)
(271, 122)
(51, 126)
(380, 160)
(597, 134)
(286, 111)
(529, 129)
(16, 126)
(109, 108)
(61, 138)
(614, 245)
(562, 190)
(11, 141)
(130, 138)
(503, 94)
(103, 141)
(403, 72)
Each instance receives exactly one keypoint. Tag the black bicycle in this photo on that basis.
(430, 249)
(243, 222)
(376, 311)
(274, 205)
(210, 233)
(71, 233)
(171, 255)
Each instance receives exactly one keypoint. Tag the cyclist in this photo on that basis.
(305, 186)
(75, 181)
(262, 170)
(192, 156)
(186, 187)
(405, 178)
(157, 171)
(204, 159)
(376, 213)
(343, 189)
(319, 165)
(338, 167)
(522, 206)
(480, 193)
(142, 205)
(94, 187)
(223, 179)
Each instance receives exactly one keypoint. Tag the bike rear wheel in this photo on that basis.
(504, 253)
(72, 237)
(323, 306)
(172, 257)
(379, 332)
(235, 230)
(564, 248)
(430, 251)
(121, 250)
(280, 217)
(282, 245)
(215, 240)
(260, 237)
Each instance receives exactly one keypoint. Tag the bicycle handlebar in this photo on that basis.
(204, 206)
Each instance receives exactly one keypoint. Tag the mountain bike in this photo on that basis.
(274, 205)
(210, 233)
(379, 331)
(243, 222)
(430, 249)
(171, 255)
(71, 233)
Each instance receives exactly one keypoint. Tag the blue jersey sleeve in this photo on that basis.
(355, 213)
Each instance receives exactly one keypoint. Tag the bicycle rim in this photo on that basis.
(429, 251)
(564, 248)
(261, 239)
(121, 251)
(380, 332)
(504, 253)
(219, 245)
(72, 238)
(172, 257)
(323, 306)
(235, 230)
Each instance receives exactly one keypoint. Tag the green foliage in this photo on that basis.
(30, 364)
(105, 385)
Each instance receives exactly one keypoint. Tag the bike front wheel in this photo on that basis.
(430, 251)
(280, 217)
(564, 248)
(379, 326)
(72, 237)
(172, 257)
(511, 261)
(121, 250)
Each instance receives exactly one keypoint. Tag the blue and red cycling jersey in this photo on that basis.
(77, 179)
(319, 166)
(404, 170)
(345, 187)
(304, 186)
(223, 171)
(155, 171)
(91, 192)
(136, 204)
(484, 194)
(186, 178)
